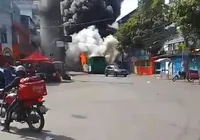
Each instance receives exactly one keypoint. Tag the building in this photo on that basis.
(169, 1)
(25, 7)
(21, 42)
(126, 17)
(27, 22)
(5, 29)
(29, 25)
(15, 39)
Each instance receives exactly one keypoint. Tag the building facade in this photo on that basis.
(15, 37)
(29, 27)
(25, 6)
(6, 27)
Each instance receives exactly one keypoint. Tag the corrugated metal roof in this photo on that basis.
(177, 39)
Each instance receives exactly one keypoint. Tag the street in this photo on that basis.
(95, 107)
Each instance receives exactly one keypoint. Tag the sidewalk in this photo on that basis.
(165, 78)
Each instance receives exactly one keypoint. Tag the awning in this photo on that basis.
(177, 39)
(36, 57)
(162, 59)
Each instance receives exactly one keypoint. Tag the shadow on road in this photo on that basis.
(105, 82)
(77, 74)
(79, 116)
(57, 84)
(27, 134)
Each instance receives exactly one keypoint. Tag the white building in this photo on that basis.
(169, 1)
(26, 7)
(5, 27)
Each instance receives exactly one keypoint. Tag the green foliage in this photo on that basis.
(186, 13)
(181, 47)
(143, 24)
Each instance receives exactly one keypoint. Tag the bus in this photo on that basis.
(97, 64)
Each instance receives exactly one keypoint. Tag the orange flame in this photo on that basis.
(83, 58)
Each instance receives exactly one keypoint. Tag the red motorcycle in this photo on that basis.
(27, 103)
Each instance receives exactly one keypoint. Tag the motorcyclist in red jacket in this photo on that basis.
(20, 73)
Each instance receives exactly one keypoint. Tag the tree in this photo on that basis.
(186, 13)
(144, 24)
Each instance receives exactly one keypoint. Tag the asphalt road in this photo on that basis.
(94, 107)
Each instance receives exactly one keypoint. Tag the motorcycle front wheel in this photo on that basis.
(34, 117)
(175, 78)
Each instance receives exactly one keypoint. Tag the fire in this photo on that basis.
(83, 58)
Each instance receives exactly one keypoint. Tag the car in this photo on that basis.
(115, 70)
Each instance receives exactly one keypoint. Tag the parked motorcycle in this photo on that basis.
(29, 109)
(180, 76)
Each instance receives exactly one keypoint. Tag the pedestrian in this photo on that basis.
(17, 63)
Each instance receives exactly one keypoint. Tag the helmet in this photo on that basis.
(18, 63)
(20, 68)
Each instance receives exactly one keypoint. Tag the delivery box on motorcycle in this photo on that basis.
(31, 88)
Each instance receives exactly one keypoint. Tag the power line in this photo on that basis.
(97, 21)
(78, 24)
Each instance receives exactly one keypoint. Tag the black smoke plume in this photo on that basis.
(79, 14)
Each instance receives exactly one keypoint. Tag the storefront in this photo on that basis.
(5, 35)
(144, 65)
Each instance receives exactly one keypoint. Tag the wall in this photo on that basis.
(194, 63)
(5, 5)
(6, 26)
(177, 64)
(21, 42)
(145, 70)
(28, 24)
(25, 6)
(16, 14)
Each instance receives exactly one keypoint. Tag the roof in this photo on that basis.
(176, 39)
(126, 17)
(36, 57)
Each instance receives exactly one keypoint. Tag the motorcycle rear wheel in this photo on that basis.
(31, 122)
(190, 80)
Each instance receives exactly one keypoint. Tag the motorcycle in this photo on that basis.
(180, 76)
(29, 111)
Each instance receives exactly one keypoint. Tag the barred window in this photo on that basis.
(3, 37)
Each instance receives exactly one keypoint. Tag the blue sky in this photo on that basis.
(127, 7)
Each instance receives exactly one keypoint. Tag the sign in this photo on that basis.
(7, 52)
(67, 38)
(60, 44)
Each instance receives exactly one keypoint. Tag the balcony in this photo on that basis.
(29, 25)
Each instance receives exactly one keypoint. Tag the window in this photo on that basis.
(4, 37)
(99, 59)
(145, 63)
(109, 67)
(137, 63)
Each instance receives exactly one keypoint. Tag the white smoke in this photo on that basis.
(89, 40)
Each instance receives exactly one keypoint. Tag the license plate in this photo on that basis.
(43, 109)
